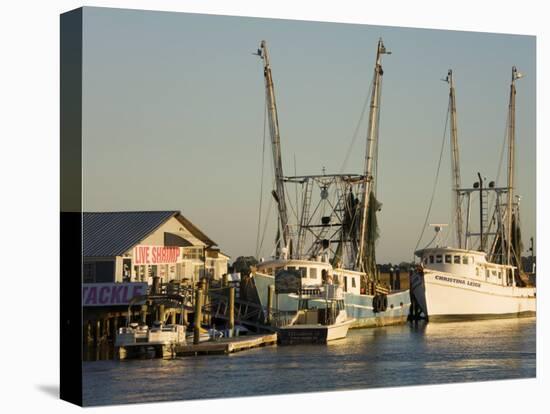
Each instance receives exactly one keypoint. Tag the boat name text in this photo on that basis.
(457, 281)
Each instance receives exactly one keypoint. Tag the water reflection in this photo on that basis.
(391, 356)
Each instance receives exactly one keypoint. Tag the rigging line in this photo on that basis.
(294, 210)
(298, 215)
(436, 178)
(493, 198)
(377, 136)
(262, 180)
(356, 132)
(265, 224)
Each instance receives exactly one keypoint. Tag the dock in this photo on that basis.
(227, 345)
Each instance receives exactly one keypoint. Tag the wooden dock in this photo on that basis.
(226, 345)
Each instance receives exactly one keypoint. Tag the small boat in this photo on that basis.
(137, 340)
(206, 335)
(321, 317)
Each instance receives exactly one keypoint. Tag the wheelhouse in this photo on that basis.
(471, 264)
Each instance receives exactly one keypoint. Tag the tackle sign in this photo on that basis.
(111, 294)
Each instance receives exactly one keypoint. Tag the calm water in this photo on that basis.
(367, 358)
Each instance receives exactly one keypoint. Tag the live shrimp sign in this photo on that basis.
(155, 255)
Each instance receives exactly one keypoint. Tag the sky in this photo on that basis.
(173, 117)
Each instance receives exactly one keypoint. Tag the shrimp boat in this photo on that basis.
(331, 239)
(461, 283)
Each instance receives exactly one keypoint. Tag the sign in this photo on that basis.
(458, 281)
(288, 281)
(154, 255)
(111, 294)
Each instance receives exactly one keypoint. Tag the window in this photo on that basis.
(268, 271)
(477, 271)
(89, 276)
(494, 272)
(457, 259)
(313, 273)
(439, 258)
(431, 259)
(499, 275)
(291, 268)
(465, 260)
(425, 260)
(345, 283)
(447, 258)
(487, 273)
(303, 272)
(352, 282)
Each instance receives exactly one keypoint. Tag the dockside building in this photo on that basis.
(135, 246)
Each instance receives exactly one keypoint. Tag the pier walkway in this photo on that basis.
(226, 345)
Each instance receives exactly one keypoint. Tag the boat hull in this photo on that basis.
(312, 334)
(359, 307)
(446, 297)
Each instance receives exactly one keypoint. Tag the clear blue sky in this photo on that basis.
(173, 116)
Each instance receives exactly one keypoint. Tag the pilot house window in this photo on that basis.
(457, 259)
(464, 259)
(431, 259)
(439, 258)
(447, 258)
(313, 273)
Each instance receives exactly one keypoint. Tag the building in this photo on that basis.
(135, 246)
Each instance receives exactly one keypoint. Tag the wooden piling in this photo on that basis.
(183, 318)
(97, 331)
(107, 328)
(231, 311)
(143, 315)
(270, 296)
(161, 313)
(115, 325)
(198, 316)
(173, 317)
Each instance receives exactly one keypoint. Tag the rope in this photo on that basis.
(436, 179)
(356, 132)
(262, 180)
(377, 141)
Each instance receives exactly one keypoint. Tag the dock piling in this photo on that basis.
(198, 316)
(231, 311)
(270, 296)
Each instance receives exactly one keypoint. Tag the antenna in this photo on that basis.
(437, 228)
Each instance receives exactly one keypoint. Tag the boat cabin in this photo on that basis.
(315, 272)
(471, 264)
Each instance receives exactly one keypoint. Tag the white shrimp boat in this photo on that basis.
(462, 283)
(333, 237)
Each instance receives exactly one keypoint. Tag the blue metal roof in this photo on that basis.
(113, 233)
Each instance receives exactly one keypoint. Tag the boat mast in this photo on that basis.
(511, 161)
(455, 159)
(371, 145)
(279, 193)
